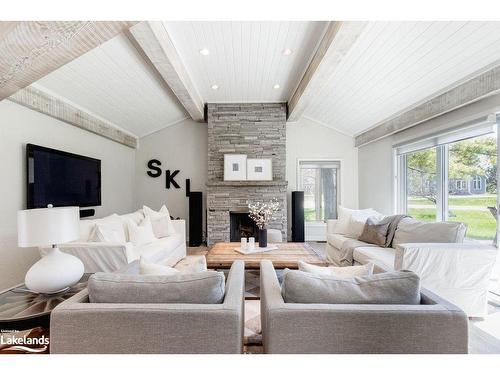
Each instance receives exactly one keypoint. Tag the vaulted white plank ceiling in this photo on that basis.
(391, 67)
(245, 59)
(114, 82)
(395, 65)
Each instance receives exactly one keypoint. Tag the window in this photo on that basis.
(319, 180)
(476, 183)
(453, 179)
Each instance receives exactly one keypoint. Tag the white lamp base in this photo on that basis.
(54, 273)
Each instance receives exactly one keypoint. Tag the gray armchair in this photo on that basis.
(78, 326)
(434, 326)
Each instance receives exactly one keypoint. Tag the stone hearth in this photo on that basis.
(259, 131)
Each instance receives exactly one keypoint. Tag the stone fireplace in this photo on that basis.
(259, 131)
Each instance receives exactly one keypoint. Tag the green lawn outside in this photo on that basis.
(480, 224)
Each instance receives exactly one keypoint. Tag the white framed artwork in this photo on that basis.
(235, 167)
(259, 170)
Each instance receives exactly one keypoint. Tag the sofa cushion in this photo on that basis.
(150, 268)
(87, 226)
(382, 257)
(395, 288)
(162, 224)
(352, 271)
(413, 231)
(201, 288)
(137, 216)
(154, 250)
(140, 234)
(337, 240)
(109, 231)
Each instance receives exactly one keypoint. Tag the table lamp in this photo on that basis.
(41, 227)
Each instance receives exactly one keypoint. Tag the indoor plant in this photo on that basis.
(262, 213)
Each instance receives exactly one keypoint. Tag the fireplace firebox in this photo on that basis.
(241, 226)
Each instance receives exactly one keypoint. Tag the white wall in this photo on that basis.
(182, 146)
(376, 174)
(18, 126)
(306, 139)
(375, 163)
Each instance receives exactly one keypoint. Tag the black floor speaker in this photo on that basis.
(195, 218)
(298, 227)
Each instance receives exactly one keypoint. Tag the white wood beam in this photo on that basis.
(152, 38)
(482, 85)
(32, 49)
(338, 39)
(57, 108)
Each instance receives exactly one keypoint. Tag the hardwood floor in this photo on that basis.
(484, 334)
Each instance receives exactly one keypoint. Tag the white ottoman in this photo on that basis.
(274, 236)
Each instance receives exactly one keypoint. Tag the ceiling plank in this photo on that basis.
(32, 49)
(482, 85)
(152, 38)
(338, 39)
(59, 109)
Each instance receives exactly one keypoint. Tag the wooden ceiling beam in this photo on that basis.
(29, 50)
(153, 41)
(482, 84)
(43, 102)
(337, 41)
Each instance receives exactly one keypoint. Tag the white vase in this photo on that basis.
(54, 273)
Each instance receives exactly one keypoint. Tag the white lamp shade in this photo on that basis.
(47, 226)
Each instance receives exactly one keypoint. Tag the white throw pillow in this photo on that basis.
(353, 271)
(357, 222)
(162, 224)
(344, 218)
(148, 268)
(192, 264)
(109, 232)
(141, 234)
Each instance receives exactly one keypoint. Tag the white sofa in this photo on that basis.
(109, 257)
(459, 272)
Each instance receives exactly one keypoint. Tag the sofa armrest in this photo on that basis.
(458, 272)
(331, 225)
(99, 256)
(78, 326)
(432, 327)
(180, 227)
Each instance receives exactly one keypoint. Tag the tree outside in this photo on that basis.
(472, 185)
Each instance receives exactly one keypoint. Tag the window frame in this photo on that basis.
(442, 150)
(340, 177)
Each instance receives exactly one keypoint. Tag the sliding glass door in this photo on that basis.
(453, 181)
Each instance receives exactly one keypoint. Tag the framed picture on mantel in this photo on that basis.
(235, 167)
(259, 170)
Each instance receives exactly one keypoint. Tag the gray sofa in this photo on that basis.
(434, 326)
(78, 326)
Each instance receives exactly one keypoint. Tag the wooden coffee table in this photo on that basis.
(222, 255)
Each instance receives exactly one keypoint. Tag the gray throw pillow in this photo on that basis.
(394, 288)
(200, 288)
(375, 232)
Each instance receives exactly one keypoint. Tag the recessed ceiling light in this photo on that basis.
(215, 87)
(276, 86)
(204, 52)
(287, 52)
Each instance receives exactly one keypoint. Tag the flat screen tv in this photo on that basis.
(61, 178)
